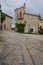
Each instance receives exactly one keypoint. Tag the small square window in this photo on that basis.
(31, 30)
(20, 14)
(25, 22)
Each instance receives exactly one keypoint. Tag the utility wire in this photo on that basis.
(34, 9)
(29, 6)
(8, 6)
(29, 1)
(25, 1)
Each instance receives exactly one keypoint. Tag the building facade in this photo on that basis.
(33, 22)
(7, 24)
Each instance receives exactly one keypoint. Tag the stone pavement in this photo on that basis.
(20, 49)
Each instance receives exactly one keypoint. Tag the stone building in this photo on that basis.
(7, 24)
(33, 22)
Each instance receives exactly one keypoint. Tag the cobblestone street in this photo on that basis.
(20, 49)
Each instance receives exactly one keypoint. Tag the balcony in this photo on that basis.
(20, 18)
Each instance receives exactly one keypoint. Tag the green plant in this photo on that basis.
(2, 19)
(41, 31)
(20, 27)
(13, 28)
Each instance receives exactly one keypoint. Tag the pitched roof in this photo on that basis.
(25, 12)
(32, 14)
(19, 8)
(7, 15)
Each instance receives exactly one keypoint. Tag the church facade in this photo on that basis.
(33, 22)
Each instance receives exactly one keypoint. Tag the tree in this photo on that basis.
(20, 27)
(2, 19)
(41, 30)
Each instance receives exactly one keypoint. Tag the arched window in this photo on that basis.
(40, 27)
(4, 26)
(20, 14)
(17, 15)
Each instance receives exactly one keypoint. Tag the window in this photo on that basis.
(17, 15)
(41, 21)
(31, 30)
(4, 26)
(25, 22)
(20, 14)
(40, 27)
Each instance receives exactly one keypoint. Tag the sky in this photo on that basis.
(32, 6)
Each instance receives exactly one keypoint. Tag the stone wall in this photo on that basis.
(31, 22)
(7, 23)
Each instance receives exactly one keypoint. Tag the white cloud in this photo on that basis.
(32, 6)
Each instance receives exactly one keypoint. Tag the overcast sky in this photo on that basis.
(32, 6)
